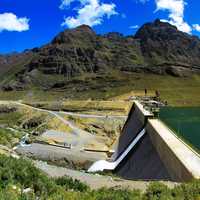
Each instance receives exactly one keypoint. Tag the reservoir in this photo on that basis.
(185, 122)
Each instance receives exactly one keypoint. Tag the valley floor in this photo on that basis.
(177, 91)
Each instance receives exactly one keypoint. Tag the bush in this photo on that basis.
(7, 137)
(22, 172)
(16, 175)
(71, 184)
(187, 191)
(116, 194)
(158, 191)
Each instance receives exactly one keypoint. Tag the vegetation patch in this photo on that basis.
(19, 179)
(10, 119)
(9, 138)
(177, 91)
(90, 106)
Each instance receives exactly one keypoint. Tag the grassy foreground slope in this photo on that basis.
(19, 179)
(177, 91)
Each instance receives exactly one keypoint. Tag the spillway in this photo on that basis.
(143, 161)
(102, 165)
(148, 150)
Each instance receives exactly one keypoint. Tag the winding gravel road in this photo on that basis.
(76, 130)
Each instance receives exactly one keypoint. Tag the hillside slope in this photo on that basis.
(157, 48)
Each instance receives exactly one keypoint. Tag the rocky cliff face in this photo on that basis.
(157, 47)
(80, 50)
(166, 49)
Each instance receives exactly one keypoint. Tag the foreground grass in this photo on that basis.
(9, 138)
(177, 91)
(10, 119)
(19, 179)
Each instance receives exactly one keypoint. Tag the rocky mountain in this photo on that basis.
(157, 47)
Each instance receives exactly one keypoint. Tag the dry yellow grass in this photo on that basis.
(118, 106)
(107, 130)
(56, 124)
(4, 150)
(136, 93)
(111, 107)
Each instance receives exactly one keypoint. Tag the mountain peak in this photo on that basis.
(80, 32)
(83, 27)
(156, 28)
(157, 47)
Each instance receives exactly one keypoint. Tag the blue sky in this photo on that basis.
(25, 24)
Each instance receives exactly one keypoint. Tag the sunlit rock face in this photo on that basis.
(164, 45)
(157, 47)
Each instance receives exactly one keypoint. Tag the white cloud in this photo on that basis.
(10, 22)
(196, 27)
(65, 4)
(91, 12)
(134, 27)
(176, 13)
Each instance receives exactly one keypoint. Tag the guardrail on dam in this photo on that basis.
(155, 155)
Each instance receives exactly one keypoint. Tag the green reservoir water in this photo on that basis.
(185, 122)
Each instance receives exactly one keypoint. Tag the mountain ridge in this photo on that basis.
(157, 47)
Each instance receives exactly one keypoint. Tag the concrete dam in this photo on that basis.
(148, 150)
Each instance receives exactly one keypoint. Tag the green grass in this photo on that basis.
(177, 91)
(17, 67)
(10, 119)
(9, 138)
(19, 174)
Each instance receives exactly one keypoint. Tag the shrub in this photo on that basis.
(22, 174)
(71, 184)
(158, 191)
(116, 194)
(187, 191)
(7, 137)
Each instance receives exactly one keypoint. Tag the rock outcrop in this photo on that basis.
(168, 49)
(157, 47)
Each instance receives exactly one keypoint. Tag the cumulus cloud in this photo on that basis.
(176, 13)
(65, 4)
(134, 27)
(10, 22)
(90, 12)
(196, 27)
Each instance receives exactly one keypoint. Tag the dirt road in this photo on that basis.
(95, 181)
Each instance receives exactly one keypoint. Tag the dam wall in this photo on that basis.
(181, 162)
(148, 150)
(134, 124)
(159, 155)
(143, 161)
